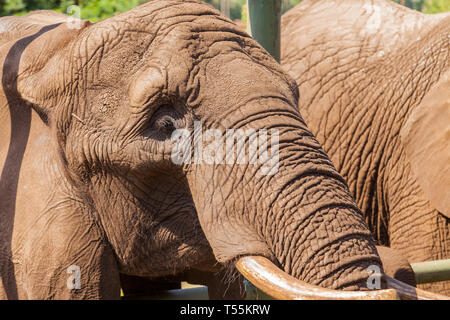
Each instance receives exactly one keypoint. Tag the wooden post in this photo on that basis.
(265, 24)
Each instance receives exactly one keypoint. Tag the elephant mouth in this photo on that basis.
(267, 277)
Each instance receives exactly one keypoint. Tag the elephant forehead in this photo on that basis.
(172, 34)
(182, 20)
(237, 81)
(235, 75)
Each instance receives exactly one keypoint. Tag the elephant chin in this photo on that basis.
(267, 277)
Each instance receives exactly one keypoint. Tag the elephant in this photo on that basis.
(374, 83)
(98, 186)
(396, 265)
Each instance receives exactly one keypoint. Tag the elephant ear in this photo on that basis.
(426, 139)
(31, 52)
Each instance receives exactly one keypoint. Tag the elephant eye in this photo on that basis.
(165, 121)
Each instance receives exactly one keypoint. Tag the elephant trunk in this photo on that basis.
(311, 223)
(280, 197)
(317, 233)
(275, 205)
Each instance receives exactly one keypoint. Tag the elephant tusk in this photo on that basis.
(407, 292)
(267, 277)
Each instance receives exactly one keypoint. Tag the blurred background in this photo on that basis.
(96, 10)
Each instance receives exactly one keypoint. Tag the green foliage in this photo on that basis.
(415, 4)
(235, 7)
(436, 6)
(93, 10)
(412, 4)
(427, 6)
(244, 13)
(14, 7)
(238, 8)
(289, 4)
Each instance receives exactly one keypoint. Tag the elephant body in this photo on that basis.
(90, 193)
(374, 82)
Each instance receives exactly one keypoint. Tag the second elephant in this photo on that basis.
(374, 83)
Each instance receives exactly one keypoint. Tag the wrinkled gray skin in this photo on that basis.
(85, 151)
(374, 84)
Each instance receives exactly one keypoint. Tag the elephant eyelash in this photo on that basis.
(166, 124)
(153, 107)
(163, 121)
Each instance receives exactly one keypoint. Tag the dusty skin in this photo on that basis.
(87, 182)
(374, 82)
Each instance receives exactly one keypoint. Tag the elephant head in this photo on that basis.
(119, 96)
